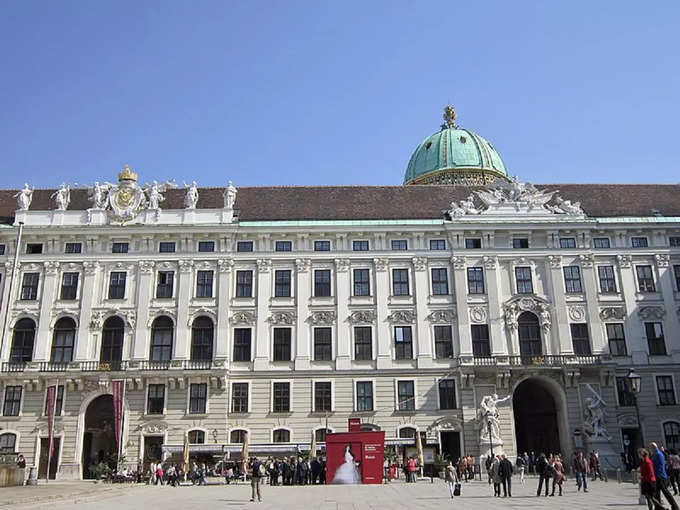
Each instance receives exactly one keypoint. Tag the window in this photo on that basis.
(322, 246)
(244, 284)
(567, 242)
(204, 284)
(520, 243)
(322, 344)
(440, 281)
(403, 342)
(242, 339)
(400, 282)
(673, 241)
(2, 249)
(529, 333)
(664, 388)
(281, 400)
(238, 436)
(281, 436)
(320, 435)
(164, 284)
(69, 286)
(166, 247)
(58, 401)
(362, 284)
(239, 397)
(161, 339)
(22, 341)
(206, 246)
(363, 343)
(671, 432)
(447, 394)
(282, 283)
(322, 282)
(29, 286)
(198, 394)
(572, 279)
(12, 403)
(117, 285)
(399, 244)
(406, 399)
(475, 278)
(437, 244)
(8, 443)
(323, 397)
(655, 339)
(616, 339)
(473, 244)
(120, 247)
(676, 272)
(243, 246)
(580, 340)
(281, 344)
(481, 347)
(645, 279)
(639, 242)
(407, 433)
(601, 243)
(112, 341)
(523, 279)
(443, 342)
(196, 437)
(63, 340)
(155, 403)
(364, 396)
(359, 245)
(283, 246)
(202, 331)
(626, 397)
(34, 248)
(606, 277)
(73, 248)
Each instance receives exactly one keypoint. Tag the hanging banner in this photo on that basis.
(51, 405)
(118, 390)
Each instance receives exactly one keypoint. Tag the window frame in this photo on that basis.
(675, 442)
(315, 408)
(449, 351)
(439, 287)
(272, 399)
(572, 279)
(237, 359)
(59, 408)
(73, 248)
(363, 327)
(280, 428)
(206, 244)
(639, 242)
(576, 330)
(247, 396)
(454, 394)
(600, 240)
(357, 397)
(616, 340)
(399, 244)
(398, 284)
(361, 284)
(165, 283)
(13, 402)
(62, 349)
(30, 290)
(283, 246)
(120, 247)
(205, 288)
(73, 294)
(661, 339)
(567, 243)
(283, 283)
(319, 243)
(435, 245)
(412, 405)
(396, 342)
(118, 286)
(326, 287)
(289, 347)
(667, 391)
(474, 283)
(148, 406)
(244, 246)
(522, 289)
(242, 287)
(167, 247)
(361, 245)
(205, 398)
(473, 243)
(645, 283)
(606, 283)
(479, 342)
(520, 243)
(315, 344)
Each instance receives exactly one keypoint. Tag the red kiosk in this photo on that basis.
(368, 449)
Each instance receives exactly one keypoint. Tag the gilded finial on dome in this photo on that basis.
(449, 116)
(127, 174)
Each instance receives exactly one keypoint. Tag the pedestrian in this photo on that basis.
(159, 474)
(202, 472)
(256, 473)
(470, 464)
(494, 472)
(595, 466)
(505, 470)
(543, 469)
(674, 472)
(412, 467)
(315, 467)
(487, 466)
(648, 481)
(451, 478)
(659, 461)
(558, 474)
(580, 468)
(532, 463)
(521, 465)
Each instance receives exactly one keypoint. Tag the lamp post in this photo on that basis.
(633, 381)
(488, 427)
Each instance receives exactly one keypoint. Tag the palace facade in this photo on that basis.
(280, 312)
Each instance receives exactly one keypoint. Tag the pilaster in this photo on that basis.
(141, 345)
(590, 287)
(460, 284)
(302, 342)
(90, 273)
(562, 344)
(224, 272)
(634, 335)
(383, 332)
(496, 332)
(672, 323)
(263, 298)
(421, 290)
(344, 337)
(49, 288)
(183, 330)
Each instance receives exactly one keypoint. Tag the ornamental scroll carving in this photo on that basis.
(420, 263)
(381, 264)
(612, 312)
(442, 317)
(458, 262)
(302, 265)
(342, 265)
(282, 318)
(478, 314)
(662, 259)
(577, 313)
(264, 265)
(624, 260)
(225, 265)
(513, 308)
(402, 316)
(489, 262)
(651, 313)
(246, 317)
(97, 319)
(555, 261)
(322, 318)
(587, 259)
(362, 317)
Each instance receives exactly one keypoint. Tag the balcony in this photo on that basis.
(152, 365)
(534, 361)
(103, 366)
(197, 364)
(48, 366)
(14, 366)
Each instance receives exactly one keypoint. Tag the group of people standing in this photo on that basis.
(296, 471)
(659, 471)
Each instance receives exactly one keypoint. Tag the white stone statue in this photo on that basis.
(154, 193)
(487, 414)
(544, 317)
(191, 197)
(98, 195)
(466, 206)
(230, 196)
(24, 198)
(594, 416)
(566, 207)
(62, 197)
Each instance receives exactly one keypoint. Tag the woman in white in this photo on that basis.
(347, 473)
(451, 477)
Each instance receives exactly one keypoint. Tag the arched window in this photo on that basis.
(161, 339)
(196, 437)
(320, 434)
(407, 433)
(8, 443)
(22, 341)
(237, 436)
(529, 335)
(202, 339)
(63, 340)
(282, 436)
(671, 432)
(112, 340)
(369, 427)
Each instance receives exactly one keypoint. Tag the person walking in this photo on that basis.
(559, 475)
(494, 472)
(505, 470)
(659, 461)
(521, 465)
(674, 471)
(159, 474)
(542, 468)
(648, 481)
(451, 477)
(411, 467)
(580, 468)
(256, 473)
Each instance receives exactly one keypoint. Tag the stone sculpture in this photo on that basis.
(191, 197)
(24, 198)
(487, 416)
(62, 197)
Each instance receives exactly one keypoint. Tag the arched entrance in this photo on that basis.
(99, 437)
(537, 418)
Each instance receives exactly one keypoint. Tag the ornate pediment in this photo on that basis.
(442, 317)
(612, 312)
(322, 318)
(518, 304)
(651, 312)
(402, 316)
(282, 318)
(362, 317)
(246, 317)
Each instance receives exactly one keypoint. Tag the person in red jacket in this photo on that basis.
(648, 481)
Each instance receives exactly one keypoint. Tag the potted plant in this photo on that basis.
(440, 462)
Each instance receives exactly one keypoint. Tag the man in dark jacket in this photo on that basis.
(543, 470)
(255, 474)
(316, 469)
(505, 470)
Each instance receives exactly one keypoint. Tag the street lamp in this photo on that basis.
(633, 381)
(488, 426)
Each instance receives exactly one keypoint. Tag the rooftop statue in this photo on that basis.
(24, 198)
(98, 194)
(191, 197)
(229, 196)
(154, 193)
(62, 197)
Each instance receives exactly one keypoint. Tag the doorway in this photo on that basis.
(99, 437)
(536, 424)
(54, 463)
(631, 442)
(153, 451)
(450, 445)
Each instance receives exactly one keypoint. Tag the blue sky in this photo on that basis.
(283, 92)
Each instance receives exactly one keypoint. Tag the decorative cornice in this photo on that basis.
(624, 260)
(185, 266)
(90, 267)
(146, 266)
(342, 265)
(264, 265)
(402, 316)
(587, 259)
(245, 317)
(287, 318)
(458, 262)
(420, 263)
(441, 317)
(302, 265)
(362, 317)
(381, 264)
(490, 262)
(612, 312)
(225, 265)
(322, 318)
(651, 313)
(555, 261)
(662, 259)
(51, 267)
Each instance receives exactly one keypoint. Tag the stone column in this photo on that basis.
(598, 341)
(672, 322)
(83, 349)
(263, 297)
(499, 345)
(562, 344)
(383, 328)
(222, 350)
(421, 293)
(141, 345)
(461, 292)
(182, 328)
(343, 358)
(301, 346)
(50, 286)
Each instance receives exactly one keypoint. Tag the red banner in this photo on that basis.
(118, 390)
(51, 404)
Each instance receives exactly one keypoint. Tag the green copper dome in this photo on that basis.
(454, 156)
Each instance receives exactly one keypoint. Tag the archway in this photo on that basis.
(537, 418)
(99, 437)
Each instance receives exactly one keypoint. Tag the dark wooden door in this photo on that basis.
(54, 464)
